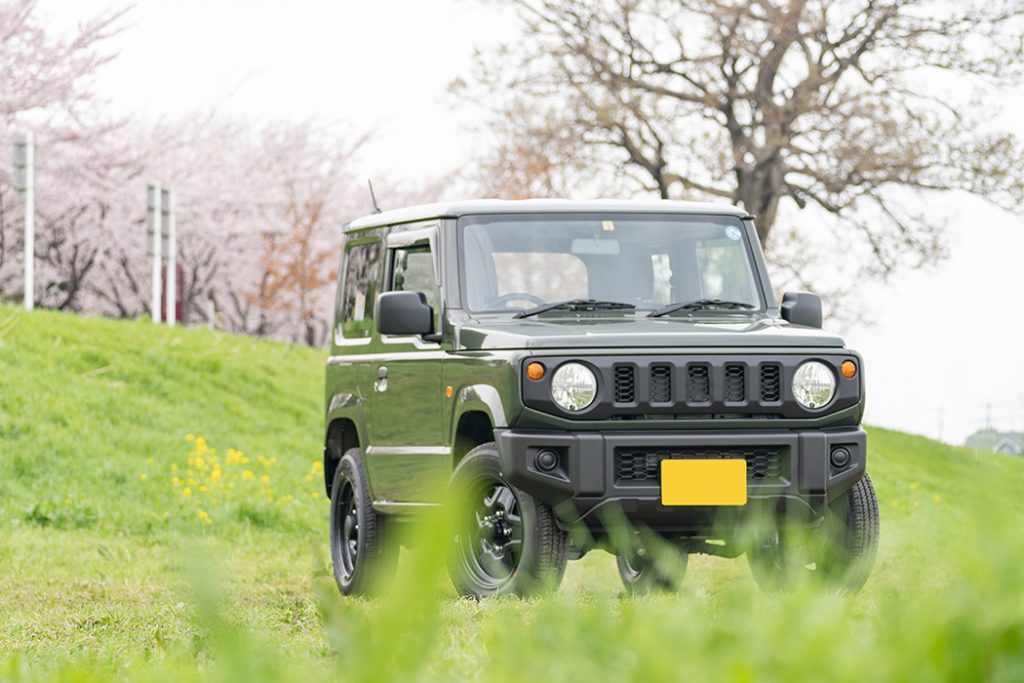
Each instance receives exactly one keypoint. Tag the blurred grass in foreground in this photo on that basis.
(105, 576)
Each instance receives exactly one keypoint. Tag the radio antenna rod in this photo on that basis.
(373, 197)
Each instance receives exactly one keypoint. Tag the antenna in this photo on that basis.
(373, 197)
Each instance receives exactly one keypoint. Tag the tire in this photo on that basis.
(842, 549)
(642, 576)
(364, 559)
(506, 542)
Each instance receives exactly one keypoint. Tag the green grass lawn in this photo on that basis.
(109, 570)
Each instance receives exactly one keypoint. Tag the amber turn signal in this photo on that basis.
(848, 369)
(535, 371)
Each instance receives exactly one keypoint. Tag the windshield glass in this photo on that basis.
(516, 262)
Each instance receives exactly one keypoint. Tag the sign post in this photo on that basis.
(154, 214)
(25, 182)
(170, 249)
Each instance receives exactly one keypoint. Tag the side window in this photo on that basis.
(362, 274)
(412, 270)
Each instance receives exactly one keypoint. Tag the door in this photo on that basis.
(409, 456)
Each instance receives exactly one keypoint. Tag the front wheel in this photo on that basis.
(506, 542)
(840, 553)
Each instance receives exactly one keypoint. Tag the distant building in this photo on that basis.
(1009, 443)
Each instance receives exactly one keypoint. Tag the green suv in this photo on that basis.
(579, 375)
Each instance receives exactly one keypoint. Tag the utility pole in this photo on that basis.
(25, 182)
(153, 220)
(170, 239)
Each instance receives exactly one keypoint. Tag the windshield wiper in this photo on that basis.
(699, 305)
(576, 305)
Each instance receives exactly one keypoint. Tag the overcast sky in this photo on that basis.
(946, 343)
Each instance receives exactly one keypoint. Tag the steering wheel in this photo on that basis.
(504, 299)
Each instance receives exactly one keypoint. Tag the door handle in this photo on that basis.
(382, 379)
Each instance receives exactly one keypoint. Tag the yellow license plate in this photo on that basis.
(704, 482)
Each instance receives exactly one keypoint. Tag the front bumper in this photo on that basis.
(787, 471)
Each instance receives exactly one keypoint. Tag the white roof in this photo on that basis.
(484, 206)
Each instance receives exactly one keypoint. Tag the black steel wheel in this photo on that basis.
(641, 574)
(506, 542)
(363, 558)
(840, 553)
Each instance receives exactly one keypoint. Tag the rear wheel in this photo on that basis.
(364, 560)
(841, 552)
(506, 542)
(642, 574)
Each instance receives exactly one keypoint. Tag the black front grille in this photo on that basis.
(644, 464)
(771, 384)
(735, 383)
(698, 384)
(661, 384)
(625, 383)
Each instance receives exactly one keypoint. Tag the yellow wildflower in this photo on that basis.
(190, 437)
(142, 477)
(186, 492)
(265, 479)
(247, 474)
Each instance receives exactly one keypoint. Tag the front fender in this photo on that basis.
(479, 398)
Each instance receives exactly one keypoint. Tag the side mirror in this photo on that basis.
(404, 314)
(802, 308)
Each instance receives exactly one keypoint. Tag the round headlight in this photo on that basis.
(573, 387)
(814, 384)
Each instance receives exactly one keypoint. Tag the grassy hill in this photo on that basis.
(161, 517)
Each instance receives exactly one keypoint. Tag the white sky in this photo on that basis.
(946, 343)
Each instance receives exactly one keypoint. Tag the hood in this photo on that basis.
(532, 333)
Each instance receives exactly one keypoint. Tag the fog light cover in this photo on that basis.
(573, 387)
(814, 384)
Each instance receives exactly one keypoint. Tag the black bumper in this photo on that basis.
(790, 471)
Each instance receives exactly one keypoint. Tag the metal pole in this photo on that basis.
(171, 256)
(153, 209)
(25, 181)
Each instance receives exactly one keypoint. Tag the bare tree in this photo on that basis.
(856, 109)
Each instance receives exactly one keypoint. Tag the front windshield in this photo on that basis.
(516, 262)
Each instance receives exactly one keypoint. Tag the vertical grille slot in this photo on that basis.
(625, 384)
(698, 384)
(771, 383)
(661, 384)
(735, 383)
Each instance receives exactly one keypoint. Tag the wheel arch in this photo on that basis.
(474, 427)
(342, 434)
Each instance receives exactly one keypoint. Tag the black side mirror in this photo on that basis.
(802, 308)
(404, 314)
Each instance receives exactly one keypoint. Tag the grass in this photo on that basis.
(108, 571)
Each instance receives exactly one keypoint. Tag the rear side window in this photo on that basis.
(359, 289)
